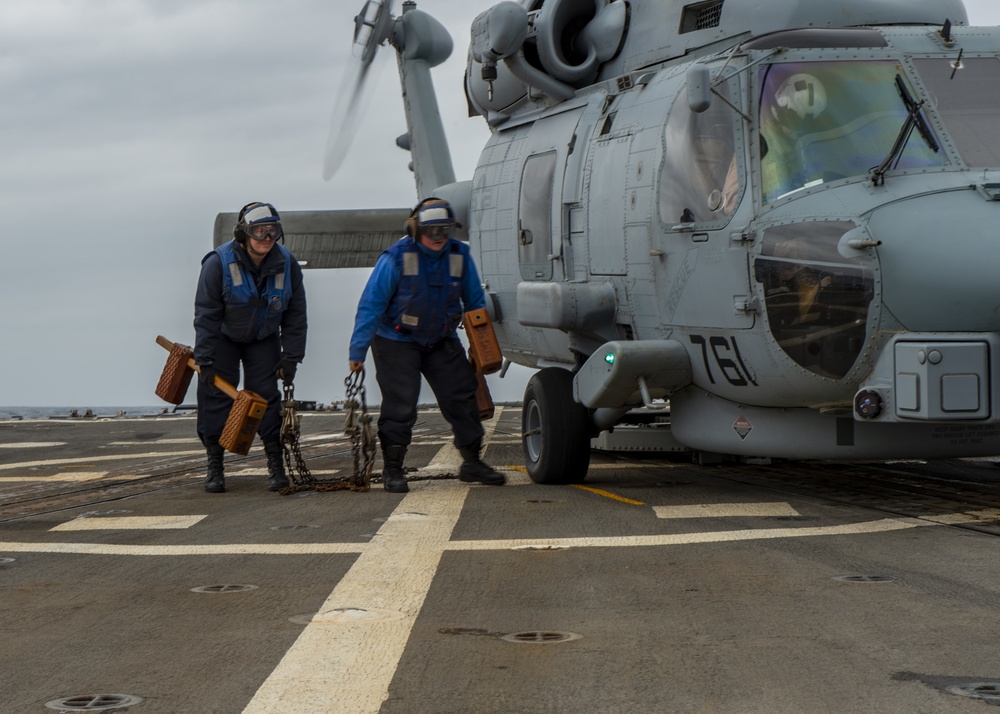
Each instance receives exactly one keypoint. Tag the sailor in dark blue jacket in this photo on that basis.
(408, 314)
(251, 308)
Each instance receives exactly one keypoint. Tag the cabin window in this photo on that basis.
(700, 180)
(816, 300)
(825, 121)
(534, 220)
(966, 95)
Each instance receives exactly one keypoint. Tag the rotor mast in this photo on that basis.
(421, 43)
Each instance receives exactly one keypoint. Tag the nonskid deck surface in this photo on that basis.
(656, 585)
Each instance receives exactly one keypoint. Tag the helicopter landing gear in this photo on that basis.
(556, 429)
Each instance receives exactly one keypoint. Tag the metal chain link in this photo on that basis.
(358, 427)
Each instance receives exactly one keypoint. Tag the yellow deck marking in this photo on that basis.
(128, 523)
(608, 494)
(726, 510)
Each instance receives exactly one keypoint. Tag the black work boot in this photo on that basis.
(276, 478)
(474, 470)
(215, 482)
(393, 478)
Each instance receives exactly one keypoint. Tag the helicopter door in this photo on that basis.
(540, 228)
(606, 212)
(705, 278)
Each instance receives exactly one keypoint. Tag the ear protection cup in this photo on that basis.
(411, 223)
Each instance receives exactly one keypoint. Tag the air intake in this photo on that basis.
(701, 16)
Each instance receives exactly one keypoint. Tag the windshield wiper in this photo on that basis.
(914, 118)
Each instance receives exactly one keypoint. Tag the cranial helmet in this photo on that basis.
(431, 212)
(803, 94)
(255, 214)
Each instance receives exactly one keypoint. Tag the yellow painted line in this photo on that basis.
(726, 510)
(32, 444)
(608, 494)
(68, 476)
(129, 523)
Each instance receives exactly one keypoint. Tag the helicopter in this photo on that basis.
(772, 224)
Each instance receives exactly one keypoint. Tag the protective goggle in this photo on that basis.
(436, 232)
(263, 231)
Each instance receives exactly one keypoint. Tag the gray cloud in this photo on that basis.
(126, 125)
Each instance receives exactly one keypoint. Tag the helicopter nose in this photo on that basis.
(940, 261)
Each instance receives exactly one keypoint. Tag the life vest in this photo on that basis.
(251, 316)
(427, 306)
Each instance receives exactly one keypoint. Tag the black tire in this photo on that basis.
(555, 429)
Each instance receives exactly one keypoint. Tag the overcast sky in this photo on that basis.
(126, 125)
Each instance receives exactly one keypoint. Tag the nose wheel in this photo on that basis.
(556, 429)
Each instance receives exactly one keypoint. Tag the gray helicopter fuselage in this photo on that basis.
(769, 263)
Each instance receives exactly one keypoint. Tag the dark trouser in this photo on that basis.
(398, 366)
(260, 360)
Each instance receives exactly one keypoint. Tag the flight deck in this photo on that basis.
(655, 585)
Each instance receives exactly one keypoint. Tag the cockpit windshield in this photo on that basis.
(825, 121)
(966, 94)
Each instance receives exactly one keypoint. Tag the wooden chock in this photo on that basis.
(248, 407)
(483, 346)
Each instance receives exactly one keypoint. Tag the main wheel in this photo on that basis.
(556, 429)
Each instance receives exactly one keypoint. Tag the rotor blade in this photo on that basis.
(372, 28)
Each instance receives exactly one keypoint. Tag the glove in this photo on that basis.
(286, 370)
(207, 377)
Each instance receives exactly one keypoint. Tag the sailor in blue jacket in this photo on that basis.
(250, 307)
(408, 314)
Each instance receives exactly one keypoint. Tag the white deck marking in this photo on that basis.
(69, 476)
(127, 523)
(403, 558)
(350, 662)
(32, 444)
(88, 459)
(726, 510)
(881, 526)
(990, 514)
(157, 442)
(177, 550)
(263, 472)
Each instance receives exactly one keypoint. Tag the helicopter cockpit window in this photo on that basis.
(817, 300)
(534, 220)
(700, 180)
(966, 94)
(825, 121)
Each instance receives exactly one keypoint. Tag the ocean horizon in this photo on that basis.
(94, 412)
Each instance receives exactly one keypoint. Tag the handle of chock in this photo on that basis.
(220, 384)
